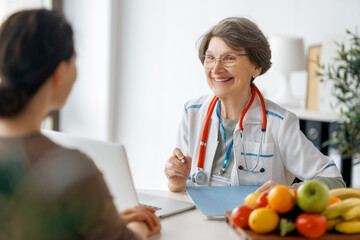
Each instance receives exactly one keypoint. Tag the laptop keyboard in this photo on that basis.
(156, 208)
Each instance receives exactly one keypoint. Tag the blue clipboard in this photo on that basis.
(214, 201)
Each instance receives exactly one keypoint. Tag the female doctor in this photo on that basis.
(235, 136)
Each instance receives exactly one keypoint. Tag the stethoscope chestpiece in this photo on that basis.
(199, 177)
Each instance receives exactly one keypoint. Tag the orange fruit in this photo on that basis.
(333, 200)
(251, 199)
(281, 199)
(263, 220)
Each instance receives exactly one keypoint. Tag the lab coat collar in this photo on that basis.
(253, 116)
(205, 104)
(204, 108)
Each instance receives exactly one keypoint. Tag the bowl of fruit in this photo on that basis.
(311, 211)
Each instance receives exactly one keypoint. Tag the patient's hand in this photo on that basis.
(142, 214)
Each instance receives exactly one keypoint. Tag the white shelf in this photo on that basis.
(322, 116)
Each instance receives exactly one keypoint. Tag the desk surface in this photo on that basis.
(190, 224)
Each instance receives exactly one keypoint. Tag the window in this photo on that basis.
(8, 7)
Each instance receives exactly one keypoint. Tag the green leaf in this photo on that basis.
(345, 74)
(286, 226)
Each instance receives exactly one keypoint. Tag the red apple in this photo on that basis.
(240, 216)
(311, 225)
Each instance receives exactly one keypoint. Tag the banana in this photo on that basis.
(351, 214)
(344, 193)
(332, 222)
(335, 210)
(348, 227)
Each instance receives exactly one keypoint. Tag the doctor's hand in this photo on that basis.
(177, 170)
(266, 187)
(142, 220)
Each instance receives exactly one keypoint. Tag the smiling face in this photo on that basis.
(230, 82)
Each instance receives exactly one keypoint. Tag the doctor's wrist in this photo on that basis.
(176, 187)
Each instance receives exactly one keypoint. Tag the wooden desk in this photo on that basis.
(250, 235)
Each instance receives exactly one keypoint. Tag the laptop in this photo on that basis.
(112, 160)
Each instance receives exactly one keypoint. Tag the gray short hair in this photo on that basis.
(238, 32)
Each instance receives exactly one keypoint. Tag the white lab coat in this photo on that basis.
(286, 153)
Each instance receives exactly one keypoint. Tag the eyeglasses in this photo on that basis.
(227, 60)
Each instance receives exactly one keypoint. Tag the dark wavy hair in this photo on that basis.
(32, 44)
(239, 33)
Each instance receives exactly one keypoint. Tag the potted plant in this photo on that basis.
(345, 74)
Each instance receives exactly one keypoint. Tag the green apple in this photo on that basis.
(313, 196)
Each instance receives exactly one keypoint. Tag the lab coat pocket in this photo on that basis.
(254, 170)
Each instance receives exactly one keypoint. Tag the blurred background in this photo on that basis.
(137, 65)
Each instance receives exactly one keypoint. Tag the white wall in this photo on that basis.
(8, 7)
(157, 68)
(86, 112)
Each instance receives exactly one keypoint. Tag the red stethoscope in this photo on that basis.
(199, 176)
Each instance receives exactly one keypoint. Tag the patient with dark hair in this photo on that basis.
(48, 191)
